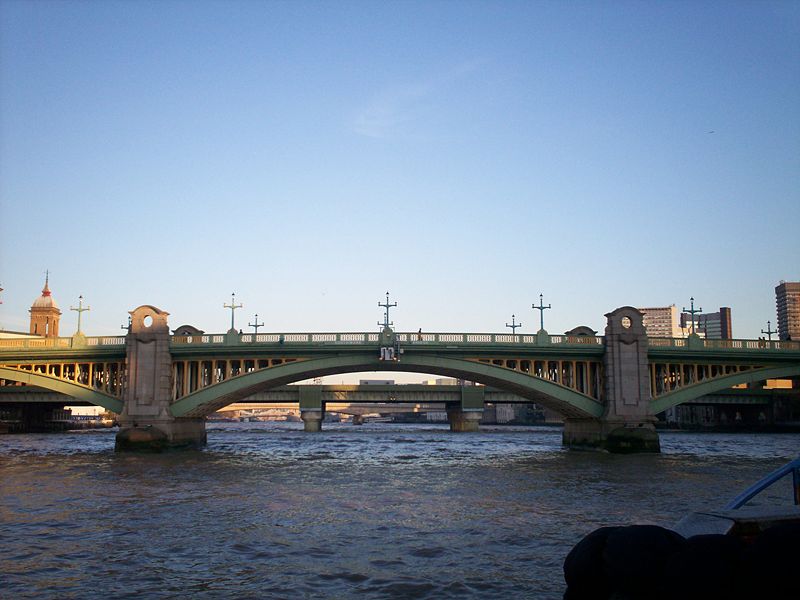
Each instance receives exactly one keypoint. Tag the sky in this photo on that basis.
(463, 156)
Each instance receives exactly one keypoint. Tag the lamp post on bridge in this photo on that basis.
(692, 312)
(513, 325)
(386, 324)
(233, 306)
(81, 309)
(769, 332)
(255, 326)
(128, 326)
(541, 308)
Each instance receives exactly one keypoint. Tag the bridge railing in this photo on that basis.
(723, 344)
(372, 338)
(65, 343)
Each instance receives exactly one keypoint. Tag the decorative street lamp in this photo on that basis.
(255, 325)
(513, 325)
(541, 308)
(769, 332)
(79, 310)
(386, 324)
(692, 312)
(233, 306)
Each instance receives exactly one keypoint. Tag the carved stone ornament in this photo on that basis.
(626, 324)
(148, 319)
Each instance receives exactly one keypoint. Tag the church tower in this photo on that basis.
(45, 313)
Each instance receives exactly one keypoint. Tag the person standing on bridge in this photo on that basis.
(419, 334)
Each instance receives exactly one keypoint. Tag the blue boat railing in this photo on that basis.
(792, 467)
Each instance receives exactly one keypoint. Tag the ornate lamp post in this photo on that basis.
(233, 306)
(692, 312)
(81, 309)
(769, 331)
(255, 326)
(386, 324)
(513, 325)
(541, 308)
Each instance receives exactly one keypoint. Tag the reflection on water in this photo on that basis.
(378, 511)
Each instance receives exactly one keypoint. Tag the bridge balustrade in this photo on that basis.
(117, 340)
(62, 342)
(702, 343)
(368, 338)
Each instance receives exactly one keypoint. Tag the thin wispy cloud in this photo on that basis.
(396, 111)
(391, 110)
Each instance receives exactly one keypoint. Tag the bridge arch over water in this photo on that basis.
(717, 384)
(557, 397)
(68, 388)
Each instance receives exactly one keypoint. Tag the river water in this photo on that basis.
(377, 511)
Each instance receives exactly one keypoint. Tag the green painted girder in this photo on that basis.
(750, 361)
(68, 388)
(708, 386)
(43, 356)
(710, 356)
(562, 399)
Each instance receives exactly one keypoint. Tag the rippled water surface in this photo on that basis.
(378, 511)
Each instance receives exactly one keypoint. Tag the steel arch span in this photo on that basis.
(547, 393)
(694, 391)
(68, 388)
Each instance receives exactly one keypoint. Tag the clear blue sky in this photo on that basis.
(465, 156)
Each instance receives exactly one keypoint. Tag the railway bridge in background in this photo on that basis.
(608, 388)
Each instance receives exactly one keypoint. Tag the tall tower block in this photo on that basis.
(787, 301)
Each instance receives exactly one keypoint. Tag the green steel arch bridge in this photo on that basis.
(609, 388)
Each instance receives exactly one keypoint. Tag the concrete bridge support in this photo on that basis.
(466, 415)
(312, 409)
(627, 425)
(146, 422)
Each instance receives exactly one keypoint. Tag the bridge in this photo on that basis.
(608, 388)
(353, 400)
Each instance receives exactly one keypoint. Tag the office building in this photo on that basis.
(787, 302)
(662, 321)
(714, 326)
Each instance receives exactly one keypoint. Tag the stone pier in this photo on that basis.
(145, 422)
(627, 425)
(463, 421)
(466, 415)
(312, 409)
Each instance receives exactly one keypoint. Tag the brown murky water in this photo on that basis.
(379, 511)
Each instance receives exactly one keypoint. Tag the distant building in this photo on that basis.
(45, 313)
(714, 326)
(787, 301)
(447, 381)
(188, 330)
(662, 321)
(581, 331)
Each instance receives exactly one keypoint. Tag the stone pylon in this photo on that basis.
(146, 422)
(627, 424)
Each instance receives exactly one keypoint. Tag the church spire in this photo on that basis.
(46, 290)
